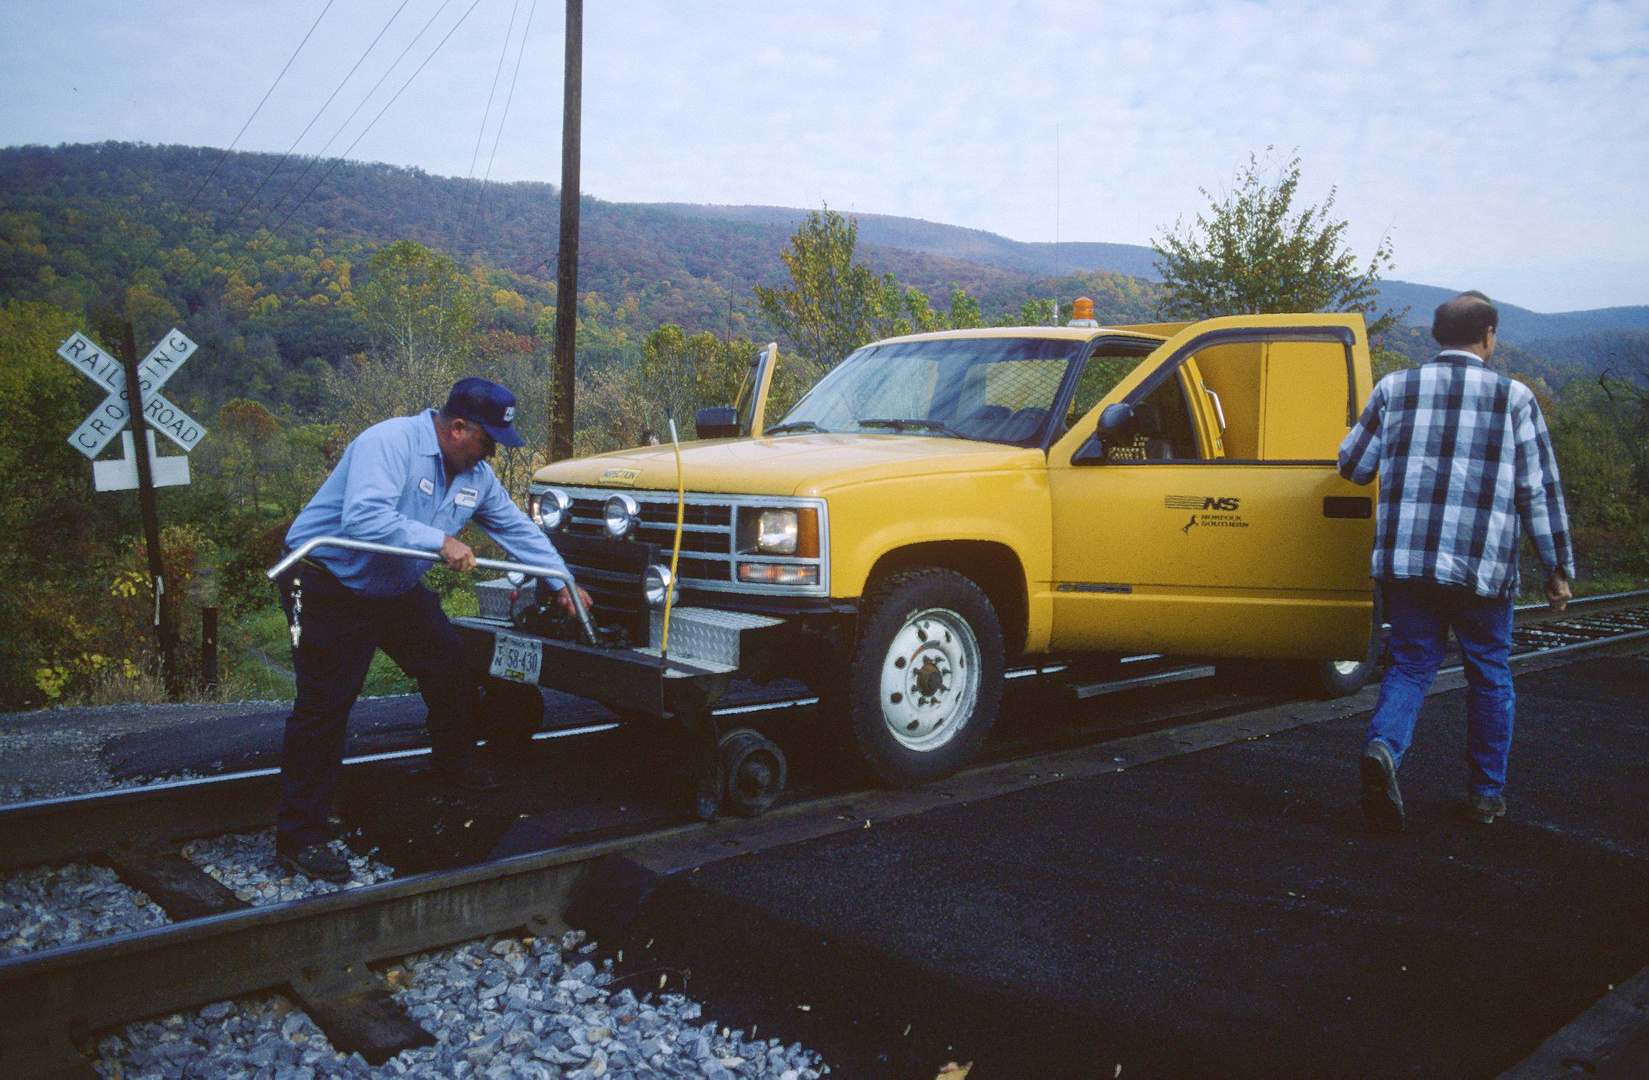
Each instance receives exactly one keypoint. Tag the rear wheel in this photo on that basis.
(926, 676)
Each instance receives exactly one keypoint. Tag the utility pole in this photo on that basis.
(151, 519)
(566, 273)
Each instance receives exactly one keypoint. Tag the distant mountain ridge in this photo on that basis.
(691, 264)
(952, 241)
(1517, 324)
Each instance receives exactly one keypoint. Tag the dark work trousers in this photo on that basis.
(339, 631)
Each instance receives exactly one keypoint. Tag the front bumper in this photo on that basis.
(708, 648)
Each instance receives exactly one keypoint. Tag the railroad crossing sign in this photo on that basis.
(114, 413)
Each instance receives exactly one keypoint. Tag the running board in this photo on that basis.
(1083, 691)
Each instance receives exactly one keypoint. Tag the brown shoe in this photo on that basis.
(1382, 799)
(1483, 809)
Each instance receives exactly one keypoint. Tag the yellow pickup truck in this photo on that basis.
(943, 505)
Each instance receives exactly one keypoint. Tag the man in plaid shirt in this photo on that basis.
(1463, 457)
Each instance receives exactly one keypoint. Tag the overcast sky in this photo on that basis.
(1502, 146)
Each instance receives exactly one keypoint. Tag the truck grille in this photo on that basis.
(706, 534)
(709, 545)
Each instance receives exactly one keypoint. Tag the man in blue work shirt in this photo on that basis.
(1464, 458)
(408, 482)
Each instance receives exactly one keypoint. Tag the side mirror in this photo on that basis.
(717, 422)
(1114, 416)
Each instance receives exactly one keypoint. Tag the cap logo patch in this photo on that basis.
(509, 414)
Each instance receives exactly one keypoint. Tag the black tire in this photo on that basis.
(507, 713)
(933, 614)
(1337, 678)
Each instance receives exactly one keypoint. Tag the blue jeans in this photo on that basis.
(1420, 614)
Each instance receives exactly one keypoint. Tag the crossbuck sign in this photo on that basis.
(109, 418)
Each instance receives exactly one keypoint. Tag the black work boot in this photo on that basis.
(1382, 800)
(315, 861)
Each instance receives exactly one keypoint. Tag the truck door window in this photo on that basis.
(1100, 375)
(1161, 429)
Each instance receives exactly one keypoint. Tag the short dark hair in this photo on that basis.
(1465, 320)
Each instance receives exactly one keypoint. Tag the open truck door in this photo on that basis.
(747, 416)
(1199, 505)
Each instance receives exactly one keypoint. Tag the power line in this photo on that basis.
(510, 97)
(340, 158)
(497, 71)
(298, 182)
(271, 173)
(225, 156)
(503, 118)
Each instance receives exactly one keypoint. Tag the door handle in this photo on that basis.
(1357, 507)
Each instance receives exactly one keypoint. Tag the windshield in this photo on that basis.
(987, 389)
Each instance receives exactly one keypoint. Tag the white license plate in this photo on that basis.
(517, 658)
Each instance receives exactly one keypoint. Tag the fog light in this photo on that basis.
(621, 514)
(761, 573)
(549, 509)
(655, 583)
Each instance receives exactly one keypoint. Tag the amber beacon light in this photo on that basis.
(1082, 312)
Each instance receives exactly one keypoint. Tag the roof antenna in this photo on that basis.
(1056, 224)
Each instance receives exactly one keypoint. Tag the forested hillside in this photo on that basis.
(238, 242)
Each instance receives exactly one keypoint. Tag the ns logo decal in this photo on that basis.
(1227, 504)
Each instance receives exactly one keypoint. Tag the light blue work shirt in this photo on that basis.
(391, 487)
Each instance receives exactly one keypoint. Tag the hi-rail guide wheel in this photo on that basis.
(753, 771)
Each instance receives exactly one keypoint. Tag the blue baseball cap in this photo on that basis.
(487, 404)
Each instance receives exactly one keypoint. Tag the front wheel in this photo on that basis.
(926, 676)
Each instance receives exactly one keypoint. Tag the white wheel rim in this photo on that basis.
(930, 679)
(1347, 667)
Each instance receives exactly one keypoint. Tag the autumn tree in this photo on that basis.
(418, 306)
(833, 305)
(1253, 252)
(249, 437)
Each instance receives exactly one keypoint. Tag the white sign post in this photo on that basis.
(114, 413)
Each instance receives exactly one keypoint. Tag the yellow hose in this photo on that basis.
(675, 550)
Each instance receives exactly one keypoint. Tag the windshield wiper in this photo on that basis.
(796, 425)
(915, 424)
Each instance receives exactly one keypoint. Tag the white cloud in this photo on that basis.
(1496, 145)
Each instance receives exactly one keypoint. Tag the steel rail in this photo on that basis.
(50, 999)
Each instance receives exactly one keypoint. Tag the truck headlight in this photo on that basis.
(776, 532)
(548, 509)
(656, 583)
(779, 532)
(621, 514)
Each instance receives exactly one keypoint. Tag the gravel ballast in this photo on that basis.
(500, 1008)
(246, 865)
(45, 907)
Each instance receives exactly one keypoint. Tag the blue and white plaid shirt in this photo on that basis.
(1463, 455)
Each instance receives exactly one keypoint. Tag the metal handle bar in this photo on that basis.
(433, 556)
(1218, 408)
